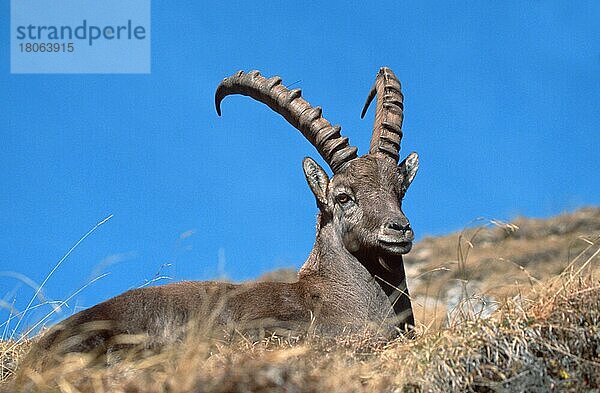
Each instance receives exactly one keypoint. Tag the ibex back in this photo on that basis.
(353, 279)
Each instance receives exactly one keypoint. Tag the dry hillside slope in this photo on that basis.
(495, 260)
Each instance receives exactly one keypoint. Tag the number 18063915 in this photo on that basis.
(36, 47)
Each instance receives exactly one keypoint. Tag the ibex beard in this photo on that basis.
(352, 281)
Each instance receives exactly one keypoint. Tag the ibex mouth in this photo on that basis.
(394, 245)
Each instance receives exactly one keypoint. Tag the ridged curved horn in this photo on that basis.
(387, 128)
(333, 147)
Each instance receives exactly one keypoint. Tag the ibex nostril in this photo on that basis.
(395, 226)
(398, 226)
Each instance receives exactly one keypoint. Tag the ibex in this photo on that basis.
(354, 276)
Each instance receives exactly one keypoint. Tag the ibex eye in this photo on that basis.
(343, 198)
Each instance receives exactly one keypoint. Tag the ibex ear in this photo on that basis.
(408, 169)
(317, 180)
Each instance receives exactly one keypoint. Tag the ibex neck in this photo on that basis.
(330, 256)
(389, 273)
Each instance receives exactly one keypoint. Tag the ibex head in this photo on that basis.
(364, 202)
(363, 199)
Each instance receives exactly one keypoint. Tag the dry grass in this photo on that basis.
(494, 261)
(543, 336)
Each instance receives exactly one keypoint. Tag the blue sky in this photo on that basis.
(501, 102)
